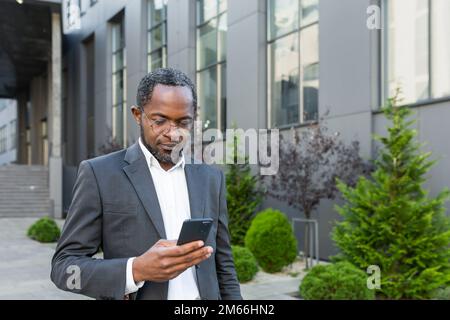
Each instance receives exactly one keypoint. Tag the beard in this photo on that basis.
(163, 157)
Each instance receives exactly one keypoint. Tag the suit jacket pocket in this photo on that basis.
(120, 208)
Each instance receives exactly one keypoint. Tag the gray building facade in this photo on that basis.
(261, 64)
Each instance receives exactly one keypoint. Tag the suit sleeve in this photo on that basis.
(73, 268)
(226, 273)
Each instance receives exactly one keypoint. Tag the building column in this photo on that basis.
(181, 29)
(54, 117)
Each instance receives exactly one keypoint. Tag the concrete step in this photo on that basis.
(24, 191)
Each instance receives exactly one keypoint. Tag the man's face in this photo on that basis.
(168, 105)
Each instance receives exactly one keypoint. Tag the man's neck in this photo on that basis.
(165, 165)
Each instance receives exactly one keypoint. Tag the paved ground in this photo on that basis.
(25, 264)
(25, 269)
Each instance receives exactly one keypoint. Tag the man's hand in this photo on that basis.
(165, 260)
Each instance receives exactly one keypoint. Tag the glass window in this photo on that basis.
(440, 48)
(118, 83)
(207, 44)
(407, 59)
(309, 12)
(3, 138)
(211, 59)
(207, 85)
(417, 52)
(293, 70)
(13, 134)
(157, 34)
(283, 17)
(207, 9)
(284, 76)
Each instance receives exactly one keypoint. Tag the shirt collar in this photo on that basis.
(153, 162)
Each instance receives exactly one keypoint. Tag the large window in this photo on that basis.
(417, 49)
(13, 134)
(211, 62)
(293, 61)
(3, 139)
(156, 34)
(119, 84)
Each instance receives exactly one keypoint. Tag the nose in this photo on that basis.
(175, 134)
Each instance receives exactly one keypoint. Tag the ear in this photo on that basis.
(136, 111)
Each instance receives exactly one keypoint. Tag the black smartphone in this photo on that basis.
(195, 230)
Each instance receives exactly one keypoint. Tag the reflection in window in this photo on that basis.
(440, 48)
(407, 60)
(3, 139)
(157, 34)
(13, 134)
(118, 83)
(293, 54)
(211, 62)
(420, 71)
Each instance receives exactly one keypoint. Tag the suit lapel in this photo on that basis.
(142, 181)
(196, 190)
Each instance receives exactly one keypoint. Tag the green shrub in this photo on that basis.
(339, 281)
(244, 195)
(271, 240)
(441, 294)
(44, 230)
(245, 263)
(392, 221)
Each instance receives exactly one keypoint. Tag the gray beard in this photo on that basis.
(161, 157)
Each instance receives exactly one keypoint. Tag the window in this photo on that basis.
(3, 139)
(84, 5)
(293, 61)
(156, 34)
(211, 62)
(13, 134)
(119, 85)
(28, 143)
(417, 49)
(44, 137)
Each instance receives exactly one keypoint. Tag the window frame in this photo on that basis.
(271, 41)
(151, 28)
(13, 134)
(219, 64)
(3, 139)
(384, 53)
(119, 21)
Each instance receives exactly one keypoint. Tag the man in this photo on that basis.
(132, 204)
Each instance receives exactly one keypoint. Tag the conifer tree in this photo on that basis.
(391, 221)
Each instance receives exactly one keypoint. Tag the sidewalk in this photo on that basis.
(25, 269)
(25, 264)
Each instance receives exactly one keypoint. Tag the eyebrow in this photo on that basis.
(165, 117)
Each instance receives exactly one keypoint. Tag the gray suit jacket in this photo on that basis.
(115, 207)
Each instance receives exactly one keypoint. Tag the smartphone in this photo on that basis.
(195, 230)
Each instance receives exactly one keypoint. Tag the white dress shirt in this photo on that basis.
(173, 198)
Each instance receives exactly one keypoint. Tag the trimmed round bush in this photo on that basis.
(44, 230)
(245, 263)
(271, 240)
(340, 281)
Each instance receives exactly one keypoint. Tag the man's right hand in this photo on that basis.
(165, 260)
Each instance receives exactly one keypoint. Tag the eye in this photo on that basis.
(185, 123)
(160, 121)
